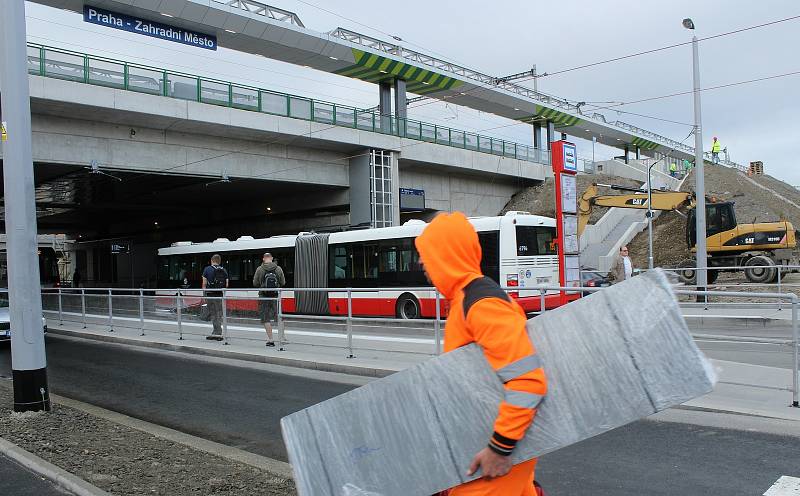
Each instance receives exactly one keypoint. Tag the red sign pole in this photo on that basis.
(564, 159)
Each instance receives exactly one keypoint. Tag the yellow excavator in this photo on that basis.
(753, 248)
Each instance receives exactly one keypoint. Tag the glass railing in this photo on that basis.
(84, 68)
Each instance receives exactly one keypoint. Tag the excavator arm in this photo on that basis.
(634, 198)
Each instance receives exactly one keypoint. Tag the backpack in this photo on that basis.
(270, 280)
(220, 276)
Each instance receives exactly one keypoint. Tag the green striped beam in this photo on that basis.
(546, 114)
(373, 68)
(644, 144)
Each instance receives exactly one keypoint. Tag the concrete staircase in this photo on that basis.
(601, 241)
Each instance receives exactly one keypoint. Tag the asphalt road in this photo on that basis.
(16, 480)
(241, 406)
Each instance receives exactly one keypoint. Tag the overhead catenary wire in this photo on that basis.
(709, 88)
(667, 47)
(644, 52)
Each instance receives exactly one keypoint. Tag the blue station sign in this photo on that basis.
(412, 200)
(148, 28)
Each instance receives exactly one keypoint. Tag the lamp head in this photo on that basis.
(688, 24)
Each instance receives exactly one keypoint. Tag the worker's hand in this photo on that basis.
(491, 464)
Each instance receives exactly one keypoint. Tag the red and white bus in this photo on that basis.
(518, 251)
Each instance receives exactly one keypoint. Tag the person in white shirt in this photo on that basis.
(623, 267)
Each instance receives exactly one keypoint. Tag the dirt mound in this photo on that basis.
(541, 200)
(752, 204)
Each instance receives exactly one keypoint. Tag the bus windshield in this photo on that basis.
(536, 240)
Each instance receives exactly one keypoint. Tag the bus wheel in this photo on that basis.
(760, 269)
(407, 307)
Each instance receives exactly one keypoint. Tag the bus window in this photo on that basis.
(233, 264)
(249, 265)
(388, 259)
(490, 254)
(535, 241)
(338, 263)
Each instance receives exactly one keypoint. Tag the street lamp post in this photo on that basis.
(28, 361)
(650, 216)
(700, 187)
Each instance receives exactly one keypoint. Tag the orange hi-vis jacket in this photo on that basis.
(482, 313)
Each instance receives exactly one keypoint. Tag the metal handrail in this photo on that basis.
(265, 10)
(226, 93)
(349, 319)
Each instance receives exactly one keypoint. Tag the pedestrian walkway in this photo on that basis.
(767, 312)
(743, 388)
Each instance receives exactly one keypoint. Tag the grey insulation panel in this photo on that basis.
(612, 358)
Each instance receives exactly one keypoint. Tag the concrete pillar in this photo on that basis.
(400, 105)
(537, 135)
(360, 191)
(551, 131)
(385, 105)
(627, 153)
(638, 153)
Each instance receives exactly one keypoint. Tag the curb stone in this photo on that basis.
(250, 357)
(275, 467)
(59, 476)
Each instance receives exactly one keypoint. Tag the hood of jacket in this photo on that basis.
(269, 266)
(451, 253)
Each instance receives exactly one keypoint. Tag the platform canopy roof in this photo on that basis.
(253, 27)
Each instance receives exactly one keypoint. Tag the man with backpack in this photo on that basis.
(215, 277)
(269, 275)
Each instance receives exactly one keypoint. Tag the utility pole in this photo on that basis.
(700, 187)
(28, 360)
(650, 216)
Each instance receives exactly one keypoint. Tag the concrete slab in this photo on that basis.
(604, 370)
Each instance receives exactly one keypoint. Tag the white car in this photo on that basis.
(5, 321)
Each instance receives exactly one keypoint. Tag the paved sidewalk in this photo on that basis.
(743, 388)
(247, 345)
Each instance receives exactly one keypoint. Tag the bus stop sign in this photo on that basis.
(564, 158)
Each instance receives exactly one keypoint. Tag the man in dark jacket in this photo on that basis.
(268, 275)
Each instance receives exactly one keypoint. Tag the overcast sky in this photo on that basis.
(755, 121)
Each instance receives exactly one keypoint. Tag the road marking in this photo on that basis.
(365, 337)
(785, 486)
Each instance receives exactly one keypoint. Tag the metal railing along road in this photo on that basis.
(86, 303)
(779, 273)
(101, 71)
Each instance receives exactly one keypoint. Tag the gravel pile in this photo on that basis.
(124, 461)
(751, 204)
(541, 200)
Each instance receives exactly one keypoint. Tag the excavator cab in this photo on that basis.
(720, 217)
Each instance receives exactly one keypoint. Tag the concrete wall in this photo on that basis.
(79, 142)
(473, 195)
(129, 109)
(637, 170)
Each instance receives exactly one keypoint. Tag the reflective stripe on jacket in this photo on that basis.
(451, 253)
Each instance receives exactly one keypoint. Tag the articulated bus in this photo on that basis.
(518, 251)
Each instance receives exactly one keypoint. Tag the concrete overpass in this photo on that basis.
(251, 26)
(124, 151)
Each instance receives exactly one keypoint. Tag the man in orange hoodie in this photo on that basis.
(482, 313)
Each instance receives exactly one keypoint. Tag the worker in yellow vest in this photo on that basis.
(716, 147)
(673, 169)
